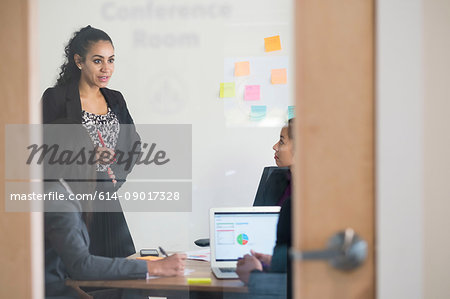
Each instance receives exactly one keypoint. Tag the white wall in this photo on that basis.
(437, 149)
(399, 150)
(413, 146)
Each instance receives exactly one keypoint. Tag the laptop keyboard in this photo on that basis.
(227, 270)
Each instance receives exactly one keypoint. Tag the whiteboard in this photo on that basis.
(171, 57)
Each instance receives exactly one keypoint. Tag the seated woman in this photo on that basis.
(269, 274)
(275, 183)
(67, 222)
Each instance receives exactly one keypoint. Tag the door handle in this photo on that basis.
(345, 251)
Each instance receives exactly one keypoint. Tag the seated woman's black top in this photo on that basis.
(276, 282)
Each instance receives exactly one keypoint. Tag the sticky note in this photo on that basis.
(227, 90)
(252, 93)
(149, 258)
(272, 43)
(258, 112)
(279, 76)
(291, 112)
(241, 68)
(199, 280)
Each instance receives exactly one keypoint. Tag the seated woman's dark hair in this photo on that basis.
(290, 127)
(79, 44)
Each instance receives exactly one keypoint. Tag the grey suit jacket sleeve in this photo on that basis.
(68, 236)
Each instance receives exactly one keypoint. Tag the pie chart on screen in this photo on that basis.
(242, 239)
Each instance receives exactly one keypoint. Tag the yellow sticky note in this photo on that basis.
(242, 68)
(199, 280)
(272, 43)
(279, 76)
(227, 90)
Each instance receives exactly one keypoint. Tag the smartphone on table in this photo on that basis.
(149, 252)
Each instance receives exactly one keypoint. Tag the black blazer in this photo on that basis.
(63, 102)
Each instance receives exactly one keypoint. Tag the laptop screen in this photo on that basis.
(238, 232)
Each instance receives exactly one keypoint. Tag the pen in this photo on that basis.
(163, 251)
(100, 138)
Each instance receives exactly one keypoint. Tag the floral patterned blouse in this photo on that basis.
(106, 126)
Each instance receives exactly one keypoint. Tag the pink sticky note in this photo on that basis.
(252, 93)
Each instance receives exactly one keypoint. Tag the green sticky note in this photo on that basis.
(291, 112)
(227, 90)
(258, 112)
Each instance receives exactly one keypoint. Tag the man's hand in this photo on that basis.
(169, 266)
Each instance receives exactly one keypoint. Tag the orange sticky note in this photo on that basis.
(279, 76)
(242, 68)
(272, 43)
(149, 258)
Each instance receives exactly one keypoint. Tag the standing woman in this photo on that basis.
(80, 95)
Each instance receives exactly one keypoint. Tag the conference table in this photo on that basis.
(173, 287)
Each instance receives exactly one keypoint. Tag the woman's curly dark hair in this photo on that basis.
(78, 44)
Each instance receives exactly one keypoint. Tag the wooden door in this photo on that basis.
(15, 228)
(334, 173)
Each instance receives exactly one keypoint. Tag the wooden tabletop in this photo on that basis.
(201, 269)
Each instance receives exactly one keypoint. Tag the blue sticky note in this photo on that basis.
(291, 112)
(258, 112)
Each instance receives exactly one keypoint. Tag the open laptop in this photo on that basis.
(234, 231)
